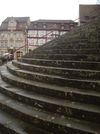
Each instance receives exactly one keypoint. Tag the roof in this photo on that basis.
(40, 22)
(50, 24)
(53, 21)
(18, 19)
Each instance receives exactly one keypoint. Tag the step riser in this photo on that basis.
(46, 91)
(36, 89)
(6, 130)
(69, 95)
(65, 64)
(59, 81)
(61, 72)
(72, 46)
(67, 57)
(43, 124)
(68, 51)
(63, 110)
(13, 125)
(59, 94)
(46, 79)
(63, 100)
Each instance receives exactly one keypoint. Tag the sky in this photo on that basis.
(42, 9)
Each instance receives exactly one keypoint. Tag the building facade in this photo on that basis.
(88, 13)
(42, 31)
(13, 35)
(18, 35)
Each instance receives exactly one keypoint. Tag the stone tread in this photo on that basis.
(81, 116)
(80, 57)
(47, 116)
(55, 87)
(64, 54)
(63, 72)
(68, 45)
(48, 99)
(29, 72)
(66, 49)
(12, 124)
(87, 49)
(75, 105)
(57, 77)
(49, 60)
(39, 84)
(52, 87)
(45, 76)
(66, 90)
(55, 68)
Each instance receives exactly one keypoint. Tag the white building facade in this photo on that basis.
(13, 35)
(42, 31)
(18, 35)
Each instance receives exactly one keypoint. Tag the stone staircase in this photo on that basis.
(55, 88)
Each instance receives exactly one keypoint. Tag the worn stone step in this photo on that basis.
(38, 77)
(72, 45)
(65, 45)
(9, 124)
(46, 120)
(52, 102)
(63, 63)
(63, 107)
(77, 57)
(73, 94)
(83, 84)
(65, 72)
(68, 51)
(53, 90)
(56, 80)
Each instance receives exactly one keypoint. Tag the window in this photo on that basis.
(62, 27)
(44, 26)
(35, 26)
(12, 24)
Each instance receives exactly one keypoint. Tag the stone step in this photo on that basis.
(72, 94)
(63, 107)
(56, 80)
(52, 102)
(46, 120)
(68, 51)
(11, 125)
(73, 45)
(65, 72)
(63, 63)
(77, 83)
(77, 57)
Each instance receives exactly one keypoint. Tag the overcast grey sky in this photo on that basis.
(42, 9)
